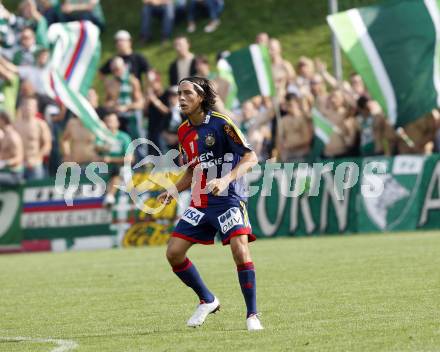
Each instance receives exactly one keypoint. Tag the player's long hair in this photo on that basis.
(208, 94)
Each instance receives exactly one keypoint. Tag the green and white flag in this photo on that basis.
(395, 47)
(79, 106)
(75, 54)
(225, 72)
(252, 72)
(323, 130)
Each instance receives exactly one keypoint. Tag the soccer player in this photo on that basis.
(217, 156)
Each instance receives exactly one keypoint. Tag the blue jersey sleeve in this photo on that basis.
(235, 139)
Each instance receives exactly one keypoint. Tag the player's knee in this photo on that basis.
(240, 250)
(175, 256)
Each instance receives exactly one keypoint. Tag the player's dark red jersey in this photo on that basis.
(215, 147)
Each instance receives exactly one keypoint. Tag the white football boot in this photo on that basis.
(202, 311)
(253, 323)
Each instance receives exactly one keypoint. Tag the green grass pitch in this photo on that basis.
(334, 293)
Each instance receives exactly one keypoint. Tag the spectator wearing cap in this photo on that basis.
(185, 64)
(161, 8)
(295, 135)
(136, 63)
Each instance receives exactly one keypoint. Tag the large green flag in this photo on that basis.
(252, 72)
(395, 48)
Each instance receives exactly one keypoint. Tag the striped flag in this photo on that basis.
(252, 71)
(76, 52)
(79, 106)
(324, 129)
(395, 47)
(73, 65)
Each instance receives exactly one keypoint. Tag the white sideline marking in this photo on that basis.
(63, 345)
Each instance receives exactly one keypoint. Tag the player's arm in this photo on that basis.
(183, 184)
(247, 162)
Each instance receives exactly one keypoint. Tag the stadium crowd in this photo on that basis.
(38, 134)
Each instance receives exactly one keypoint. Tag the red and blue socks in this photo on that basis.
(188, 273)
(246, 277)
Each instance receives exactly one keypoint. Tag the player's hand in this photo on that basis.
(164, 198)
(218, 185)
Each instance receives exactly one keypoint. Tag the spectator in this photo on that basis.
(162, 8)
(221, 85)
(185, 64)
(335, 110)
(78, 143)
(282, 70)
(124, 97)
(357, 86)
(93, 99)
(173, 119)
(376, 135)
(86, 10)
(157, 110)
(36, 137)
(33, 74)
(318, 89)
(295, 135)
(262, 38)
(46, 7)
(215, 7)
(36, 74)
(26, 52)
(11, 153)
(34, 19)
(114, 157)
(136, 63)
(55, 115)
(305, 73)
(255, 125)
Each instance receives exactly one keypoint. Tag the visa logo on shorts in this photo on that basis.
(193, 216)
(229, 219)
